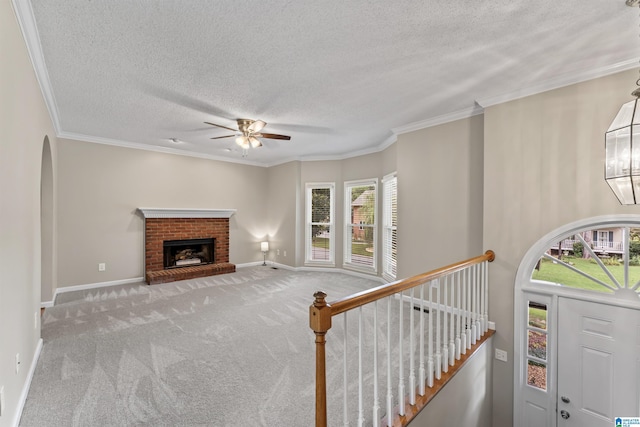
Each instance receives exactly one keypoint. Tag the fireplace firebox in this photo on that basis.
(189, 252)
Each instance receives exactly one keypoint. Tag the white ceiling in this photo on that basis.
(341, 77)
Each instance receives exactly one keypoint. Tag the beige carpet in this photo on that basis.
(229, 350)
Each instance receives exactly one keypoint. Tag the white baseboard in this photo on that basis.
(326, 270)
(90, 286)
(45, 304)
(27, 384)
(251, 264)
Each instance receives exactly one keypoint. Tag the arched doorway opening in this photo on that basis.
(47, 282)
(576, 323)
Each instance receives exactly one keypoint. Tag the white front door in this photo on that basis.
(598, 363)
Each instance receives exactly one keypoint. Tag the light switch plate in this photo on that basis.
(501, 355)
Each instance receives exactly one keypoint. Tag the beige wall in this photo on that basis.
(283, 196)
(544, 160)
(100, 188)
(466, 400)
(439, 195)
(24, 122)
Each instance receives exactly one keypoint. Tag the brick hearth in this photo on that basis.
(157, 230)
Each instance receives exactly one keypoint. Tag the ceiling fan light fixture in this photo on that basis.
(242, 141)
(256, 126)
(255, 142)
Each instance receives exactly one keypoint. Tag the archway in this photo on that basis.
(47, 283)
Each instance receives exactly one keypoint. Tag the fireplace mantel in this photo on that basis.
(186, 213)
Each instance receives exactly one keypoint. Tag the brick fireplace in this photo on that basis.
(170, 225)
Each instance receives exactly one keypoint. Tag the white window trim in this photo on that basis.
(346, 262)
(307, 225)
(387, 225)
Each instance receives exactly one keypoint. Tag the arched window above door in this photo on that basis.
(598, 258)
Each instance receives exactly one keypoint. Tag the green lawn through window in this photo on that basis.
(557, 273)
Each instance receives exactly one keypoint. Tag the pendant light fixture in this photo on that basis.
(622, 148)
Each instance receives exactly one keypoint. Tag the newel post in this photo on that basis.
(320, 322)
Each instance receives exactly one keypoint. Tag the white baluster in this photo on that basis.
(474, 297)
(430, 339)
(458, 315)
(485, 282)
(423, 378)
(445, 329)
(469, 319)
(376, 398)
(412, 349)
(452, 318)
(401, 358)
(345, 412)
(360, 388)
(463, 333)
(478, 303)
(438, 313)
(389, 391)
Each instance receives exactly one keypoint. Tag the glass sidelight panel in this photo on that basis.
(537, 339)
(537, 315)
(537, 375)
(537, 345)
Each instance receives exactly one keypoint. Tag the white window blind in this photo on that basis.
(360, 236)
(319, 234)
(389, 226)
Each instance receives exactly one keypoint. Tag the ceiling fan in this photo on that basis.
(248, 133)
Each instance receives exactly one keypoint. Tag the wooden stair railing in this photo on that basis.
(321, 313)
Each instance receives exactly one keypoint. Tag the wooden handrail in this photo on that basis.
(321, 313)
(374, 294)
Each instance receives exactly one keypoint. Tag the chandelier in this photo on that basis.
(622, 149)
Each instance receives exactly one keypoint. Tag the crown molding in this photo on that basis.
(186, 213)
(27, 22)
(439, 120)
(156, 148)
(558, 83)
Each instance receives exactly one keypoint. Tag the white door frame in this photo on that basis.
(524, 285)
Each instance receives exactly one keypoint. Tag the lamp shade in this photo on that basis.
(264, 246)
(622, 148)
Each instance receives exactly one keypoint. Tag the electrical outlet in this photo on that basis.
(17, 362)
(285, 253)
(501, 355)
(35, 320)
(102, 266)
(1, 400)
(278, 252)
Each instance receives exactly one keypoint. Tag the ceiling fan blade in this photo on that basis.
(220, 137)
(272, 136)
(220, 126)
(256, 126)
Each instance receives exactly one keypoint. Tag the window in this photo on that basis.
(536, 354)
(601, 260)
(389, 226)
(360, 229)
(319, 234)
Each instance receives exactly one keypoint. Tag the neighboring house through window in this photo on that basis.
(360, 225)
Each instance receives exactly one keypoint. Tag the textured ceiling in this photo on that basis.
(340, 77)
